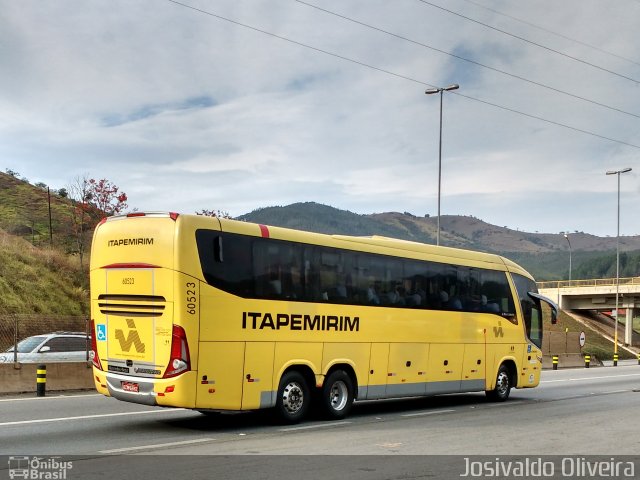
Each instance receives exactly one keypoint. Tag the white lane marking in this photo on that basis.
(505, 404)
(85, 417)
(426, 413)
(53, 397)
(157, 445)
(590, 378)
(309, 427)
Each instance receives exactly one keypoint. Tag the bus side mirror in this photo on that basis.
(548, 301)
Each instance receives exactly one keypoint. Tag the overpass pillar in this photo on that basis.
(628, 328)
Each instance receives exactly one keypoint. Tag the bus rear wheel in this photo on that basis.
(294, 397)
(503, 385)
(337, 395)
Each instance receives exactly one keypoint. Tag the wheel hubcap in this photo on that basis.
(502, 386)
(338, 395)
(292, 398)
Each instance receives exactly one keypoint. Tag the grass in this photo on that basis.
(40, 280)
(28, 211)
(636, 322)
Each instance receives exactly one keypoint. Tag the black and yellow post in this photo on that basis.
(615, 359)
(41, 380)
(587, 361)
(555, 362)
(639, 359)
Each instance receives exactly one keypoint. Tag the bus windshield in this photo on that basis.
(530, 301)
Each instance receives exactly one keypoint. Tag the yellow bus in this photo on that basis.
(215, 314)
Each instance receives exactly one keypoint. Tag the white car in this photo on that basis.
(50, 348)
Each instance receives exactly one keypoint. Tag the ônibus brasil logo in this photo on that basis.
(39, 468)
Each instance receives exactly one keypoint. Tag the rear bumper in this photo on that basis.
(145, 395)
(166, 392)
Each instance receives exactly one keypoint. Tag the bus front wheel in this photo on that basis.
(337, 395)
(503, 385)
(294, 397)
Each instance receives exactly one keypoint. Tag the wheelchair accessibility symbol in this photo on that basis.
(101, 332)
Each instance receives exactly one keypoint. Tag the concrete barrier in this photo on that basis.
(60, 376)
(569, 360)
(555, 343)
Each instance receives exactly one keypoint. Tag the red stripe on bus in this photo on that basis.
(131, 265)
(264, 230)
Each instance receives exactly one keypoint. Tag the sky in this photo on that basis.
(234, 105)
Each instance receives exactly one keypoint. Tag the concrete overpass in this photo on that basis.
(597, 294)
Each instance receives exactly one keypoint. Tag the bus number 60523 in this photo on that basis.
(191, 298)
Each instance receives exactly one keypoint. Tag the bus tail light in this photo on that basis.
(180, 361)
(93, 353)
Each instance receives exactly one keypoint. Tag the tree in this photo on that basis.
(92, 199)
(214, 213)
(78, 191)
(105, 196)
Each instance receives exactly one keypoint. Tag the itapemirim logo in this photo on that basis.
(132, 338)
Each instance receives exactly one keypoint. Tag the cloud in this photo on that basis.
(147, 111)
(184, 110)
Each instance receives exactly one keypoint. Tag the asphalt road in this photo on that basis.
(573, 412)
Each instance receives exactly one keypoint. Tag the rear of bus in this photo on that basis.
(140, 340)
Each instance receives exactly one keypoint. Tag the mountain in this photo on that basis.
(545, 255)
(455, 230)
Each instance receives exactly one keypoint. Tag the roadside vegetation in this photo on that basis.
(40, 280)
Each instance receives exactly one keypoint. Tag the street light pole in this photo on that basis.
(566, 235)
(615, 336)
(441, 91)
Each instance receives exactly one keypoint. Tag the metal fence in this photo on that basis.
(14, 328)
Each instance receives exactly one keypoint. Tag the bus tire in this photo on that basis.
(294, 397)
(337, 395)
(501, 391)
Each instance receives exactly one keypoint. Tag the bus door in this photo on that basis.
(258, 390)
(378, 372)
(407, 371)
(445, 368)
(474, 367)
(220, 366)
